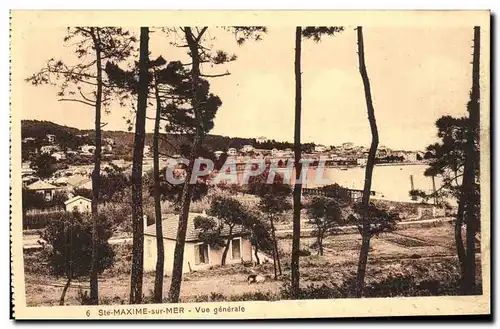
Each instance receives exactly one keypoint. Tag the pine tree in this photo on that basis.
(86, 84)
(366, 232)
(315, 33)
(194, 38)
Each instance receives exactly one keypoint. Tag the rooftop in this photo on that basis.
(41, 185)
(170, 224)
(76, 198)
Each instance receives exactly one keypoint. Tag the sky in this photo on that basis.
(417, 75)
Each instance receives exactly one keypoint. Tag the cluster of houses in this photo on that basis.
(347, 153)
(50, 146)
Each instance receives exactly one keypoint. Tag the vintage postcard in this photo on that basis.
(250, 164)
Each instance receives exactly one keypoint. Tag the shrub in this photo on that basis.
(441, 279)
(39, 220)
(256, 295)
(85, 192)
(70, 238)
(70, 254)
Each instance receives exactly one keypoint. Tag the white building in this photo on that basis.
(58, 156)
(87, 149)
(232, 151)
(320, 148)
(197, 254)
(109, 141)
(147, 149)
(218, 154)
(348, 146)
(28, 139)
(247, 148)
(79, 204)
(107, 148)
(49, 149)
(51, 138)
(361, 161)
(410, 156)
(261, 139)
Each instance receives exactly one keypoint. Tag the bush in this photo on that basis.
(119, 215)
(70, 237)
(85, 192)
(256, 295)
(441, 279)
(39, 220)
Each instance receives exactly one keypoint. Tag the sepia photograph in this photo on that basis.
(195, 166)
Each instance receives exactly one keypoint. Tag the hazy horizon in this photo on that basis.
(416, 75)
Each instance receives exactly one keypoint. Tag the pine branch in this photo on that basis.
(76, 100)
(215, 75)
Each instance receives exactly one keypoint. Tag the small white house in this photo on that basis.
(320, 148)
(49, 149)
(410, 156)
(247, 148)
(79, 204)
(197, 255)
(58, 156)
(51, 138)
(347, 146)
(107, 148)
(218, 154)
(232, 151)
(261, 139)
(87, 149)
(361, 161)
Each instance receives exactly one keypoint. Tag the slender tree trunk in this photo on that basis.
(96, 174)
(274, 262)
(68, 236)
(366, 232)
(276, 255)
(226, 247)
(137, 211)
(256, 253)
(160, 254)
(470, 169)
(320, 245)
(459, 241)
(297, 191)
(187, 192)
(65, 289)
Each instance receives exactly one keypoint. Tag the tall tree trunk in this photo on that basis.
(226, 247)
(297, 190)
(137, 211)
(459, 244)
(470, 169)
(276, 254)
(160, 254)
(366, 232)
(96, 174)
(187, 191)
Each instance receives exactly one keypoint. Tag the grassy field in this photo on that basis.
(417, 253)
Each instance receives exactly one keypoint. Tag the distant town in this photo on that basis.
(71, 156)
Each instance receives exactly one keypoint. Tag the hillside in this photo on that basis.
(123, 141)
